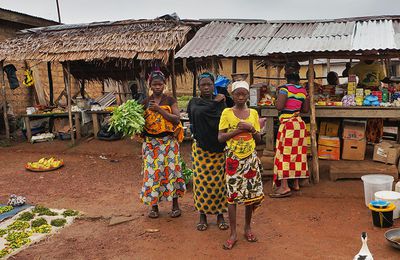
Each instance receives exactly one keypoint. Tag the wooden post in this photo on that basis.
(215, 66)
(67, 82)
(251, 71)
(173, 76)
(234, 65)
(315, 163)
(268, 73)
(194, 82)
(3, 93)
(51, 88)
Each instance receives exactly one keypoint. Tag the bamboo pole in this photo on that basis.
(3, 93)
(67, 82)
(234, 65)
(251, 71)
(173, 76)
(315, 163)
(194, 81)
(215, 66)
(51, 88)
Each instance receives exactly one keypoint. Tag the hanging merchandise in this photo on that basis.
(28, 80)
(11, 76)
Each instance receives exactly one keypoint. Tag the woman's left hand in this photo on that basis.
(154, 107)
(245, 126)
(219, 98)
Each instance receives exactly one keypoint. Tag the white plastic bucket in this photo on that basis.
(374, 183)
(390, 196)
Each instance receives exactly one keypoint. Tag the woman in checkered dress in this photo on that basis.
(291, 145)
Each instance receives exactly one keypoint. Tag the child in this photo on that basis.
(240, 129)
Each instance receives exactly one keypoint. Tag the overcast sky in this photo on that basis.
(81, 11)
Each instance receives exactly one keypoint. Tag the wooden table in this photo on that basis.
(96, 118)
(75, 115)
(328, 112)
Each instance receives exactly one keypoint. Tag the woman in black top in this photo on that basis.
(208, 154)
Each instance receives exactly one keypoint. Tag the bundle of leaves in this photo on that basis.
(128, 118)
(4, 209)
(70, 213)
(26, 216)
(18, 225)
(59, 222)
(3, 231)
(186, 172)
(43, 211)
(17, 239)
(38, 222)
(43, 229)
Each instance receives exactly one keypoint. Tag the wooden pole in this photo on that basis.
(268, 72)
(251, 71)
(234, 66)
(173, 76)
(328, 65)
(58, 11)
(315, 163)
(194, 81)
(215, 66)
(67, 82)
(3, 93)
(51, 88)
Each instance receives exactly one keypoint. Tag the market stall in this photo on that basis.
(129, 50)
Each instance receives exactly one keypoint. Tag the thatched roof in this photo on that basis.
(129, 39)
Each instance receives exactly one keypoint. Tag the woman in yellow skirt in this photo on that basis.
(208, 154)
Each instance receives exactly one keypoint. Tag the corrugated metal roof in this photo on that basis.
(263, 39)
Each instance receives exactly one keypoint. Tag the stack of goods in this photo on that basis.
(328, 141)
(359, 96)
(354, 142)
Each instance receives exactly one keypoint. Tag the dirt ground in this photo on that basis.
(320, 222)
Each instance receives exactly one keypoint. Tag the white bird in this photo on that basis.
(364, 253)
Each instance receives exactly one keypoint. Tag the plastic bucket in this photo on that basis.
(374, 183)
(382, 218)
(392, 197)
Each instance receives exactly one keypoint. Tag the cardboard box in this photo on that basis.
(354, 130)
(386, 152)
(329, 128)
(354, 150)
(329, 148)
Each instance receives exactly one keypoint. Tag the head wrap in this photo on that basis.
(240, 84)
(206, 75)
(156, 75)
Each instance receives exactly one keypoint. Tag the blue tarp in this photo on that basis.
(13, 212)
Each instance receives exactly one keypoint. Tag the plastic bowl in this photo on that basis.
(393, 237)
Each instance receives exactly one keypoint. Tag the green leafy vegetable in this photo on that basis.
(128, 118)
(70, 213)
(18, 239)
(18, 225)
(3, 231)
(43, 211)
(38, 222)
(4, 252)
(60, 222)
(46, 228)
(4, 209)
(26, 216)
(186, 172)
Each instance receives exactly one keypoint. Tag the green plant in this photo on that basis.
(18, 239)
(186, 172)
(44, 211)
(70, 213)
(4, 209)
(183, 102)
(18, 225)
(26, 216)
(46, 228)
(38, 222)
(60, 222)
(4, 252)
(128, 118)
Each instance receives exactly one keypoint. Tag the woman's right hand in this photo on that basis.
(244, 126)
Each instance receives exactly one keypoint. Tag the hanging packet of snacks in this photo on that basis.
(28, 80)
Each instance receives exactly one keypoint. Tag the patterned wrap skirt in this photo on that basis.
(162, 170)
(291, 150)
(208, 181)
(243, 179)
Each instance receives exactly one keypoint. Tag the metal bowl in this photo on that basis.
(393, 237)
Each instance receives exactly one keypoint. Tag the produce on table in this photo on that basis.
(46, 228)
(60, 222)
(128, 118)
(45, 164)
(43, 211)
(17, 239)
(18, 225)
(4, 209)
(70, 213)
(26, 216)
(38, 222)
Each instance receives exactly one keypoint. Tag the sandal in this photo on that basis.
(228, 245)
(250, 237)
(223, 225)
(153, 213)
(202, 226)
(176, 213)
(280, 195)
